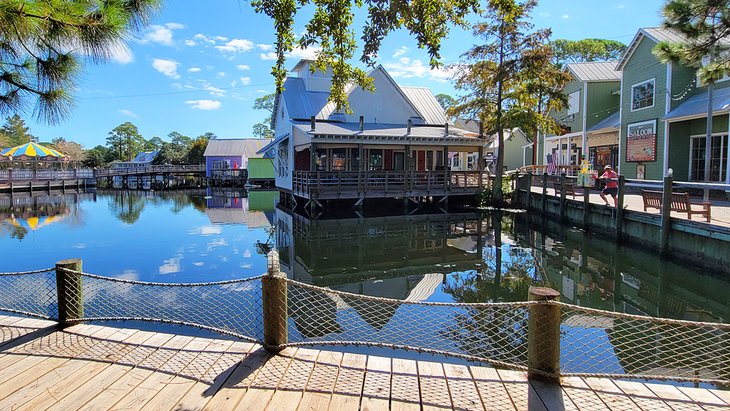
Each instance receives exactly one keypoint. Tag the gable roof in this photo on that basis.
(302, 104)
(655, 34)
(234, 147)
(145, 156)
(595, 71)
(426, 104)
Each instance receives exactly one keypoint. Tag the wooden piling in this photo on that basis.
(586, 206)
(529, 191)
(562, 197)
(620, 209)
(543, 335)
(69, 290)
(544, 193)
(274, 295)
(666, 216)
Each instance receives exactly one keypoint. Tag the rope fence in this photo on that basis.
(547, 338)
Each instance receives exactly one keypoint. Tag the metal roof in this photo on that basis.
(696, 106)
(145, 156)
(391, 132)
(244, 147)
(426, 104)
(595, 71)
(611, 122)
(303, 104)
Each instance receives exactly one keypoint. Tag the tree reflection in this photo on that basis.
(126, 206)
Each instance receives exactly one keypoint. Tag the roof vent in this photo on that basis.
(410, 125)
(313, 123)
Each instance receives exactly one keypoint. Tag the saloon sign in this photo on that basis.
(641, 142)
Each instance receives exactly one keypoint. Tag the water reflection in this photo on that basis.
(23, 213)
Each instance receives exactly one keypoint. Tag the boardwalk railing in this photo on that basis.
(35, 175)
(543, 336)
(161, 169)
(332, 184)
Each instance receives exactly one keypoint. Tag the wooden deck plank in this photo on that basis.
(464, 394)
(405, 394)
(176, 388)
(45, 389)
(109, 386)
(322, 382)
(291, 387)
(642, 396)
(674, 397)
(611, 394)
(199, 394)
(143, 393)
(704, 398)
(348, 388)
(239, 381)
(520, 391)
(581, 394)
(376, 389)
(257, 397)
(434, 390)
(722, 394)
(491, 389)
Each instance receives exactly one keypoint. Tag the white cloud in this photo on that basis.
(206, 230)
(166, 67)
(120, 53)
(401, 51)
(243, 67)
(190, 43)
(128, 113)
(268, 56)
(565, 16)
(245, 81)
(215, 91)
(236, 46)
(204, 104)
(262, 91)
(620, 6)
(220, 74)
(161, 34)
(543, 14)
(265, 47)
(202, 38)
(170, 266)
(220, 38)
(195, 70)
(247, 253)
(414, 68)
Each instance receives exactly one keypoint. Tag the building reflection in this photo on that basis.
(21, 213)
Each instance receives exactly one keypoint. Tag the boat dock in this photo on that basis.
(91, 366)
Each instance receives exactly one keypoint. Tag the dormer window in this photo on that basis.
(642, 95)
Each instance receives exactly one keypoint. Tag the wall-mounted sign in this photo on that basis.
(641, 141)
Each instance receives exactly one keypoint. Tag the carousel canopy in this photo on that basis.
(31, 151)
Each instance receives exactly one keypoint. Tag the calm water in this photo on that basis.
(194, 236)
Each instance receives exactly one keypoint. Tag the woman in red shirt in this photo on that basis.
(611, 188)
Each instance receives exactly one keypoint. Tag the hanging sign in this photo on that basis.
(641, 141)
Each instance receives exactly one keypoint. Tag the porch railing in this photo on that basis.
(335, 183)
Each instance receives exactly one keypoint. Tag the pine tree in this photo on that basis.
(43, 44)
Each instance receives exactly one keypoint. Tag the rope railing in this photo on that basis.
(547, 338)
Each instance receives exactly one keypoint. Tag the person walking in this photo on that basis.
(611, 178)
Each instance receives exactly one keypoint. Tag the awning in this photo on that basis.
(696, 106)
(612, 122)
(273, 143)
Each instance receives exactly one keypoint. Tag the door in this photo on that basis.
(421, 160)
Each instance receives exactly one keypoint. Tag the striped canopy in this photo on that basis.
(31, 151)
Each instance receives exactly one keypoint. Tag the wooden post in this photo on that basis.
(69, 290)
(529, 191)
(666, 216)
(274, 295)
(586, 206)
(562, 196)
(543, 335)
(544, 193)
(620, 209)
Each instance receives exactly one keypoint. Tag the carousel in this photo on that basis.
(32, 156)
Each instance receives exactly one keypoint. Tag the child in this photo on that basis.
(611, 188)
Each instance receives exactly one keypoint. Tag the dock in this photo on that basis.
(106, 366)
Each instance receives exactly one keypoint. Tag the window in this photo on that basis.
(573, 102)
(642, 95)
(339, 159)
(220, 165)
(375, 162)
(718, 158)
(282, 159)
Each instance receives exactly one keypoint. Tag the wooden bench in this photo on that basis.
(680, 203)
(569, 190)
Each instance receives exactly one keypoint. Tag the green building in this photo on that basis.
(664, 115)
(591, 119)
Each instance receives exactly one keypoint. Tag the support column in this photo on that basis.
(69, 291)
(666, 216)
(543, 335)
(312, 157)
(274, 295)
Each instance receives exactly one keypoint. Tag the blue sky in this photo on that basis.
(201, 64)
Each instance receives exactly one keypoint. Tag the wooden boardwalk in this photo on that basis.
(94, 367)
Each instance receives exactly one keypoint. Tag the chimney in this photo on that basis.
(362, 123)
(410, 124)
(481, 129)
(313, 123)
(446, 129)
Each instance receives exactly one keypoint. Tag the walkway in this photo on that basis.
(98, 367)
(720, 209)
